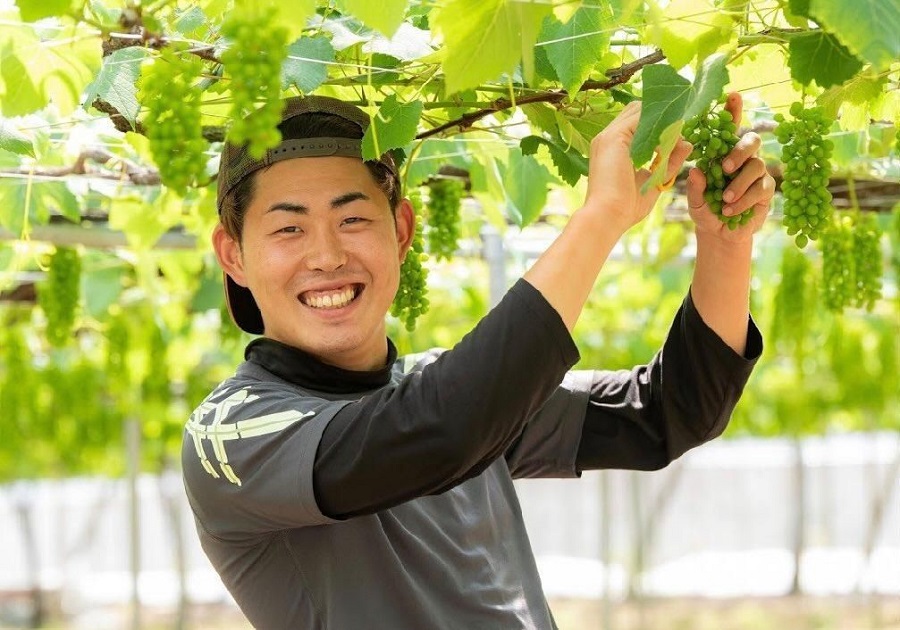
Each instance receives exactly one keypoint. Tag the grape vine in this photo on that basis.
(444, 203)
(168, 87)
(806, 155)
(253, 60)
(58, 295)
(714, 134)
(411, 300)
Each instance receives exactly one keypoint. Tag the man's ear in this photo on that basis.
(405, 218)
(228, 252)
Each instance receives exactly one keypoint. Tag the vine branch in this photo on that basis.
(617, 76)
(137, 174)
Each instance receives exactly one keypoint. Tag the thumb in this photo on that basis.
(696, 185)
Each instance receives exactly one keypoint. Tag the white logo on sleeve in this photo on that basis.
(218, 432)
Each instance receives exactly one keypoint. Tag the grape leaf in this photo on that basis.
(669, 97)
(408, 43)
(22, 95)
(485, 38)
(570, 164)
(14, 141)
(861, 89)
(116, 81)
(799, 8)
(47, 69)
(575, 46)
(305, 66)
(293, 15)
(667, 141)
(33, 10)
(102, 286)
(384, 16)
(869, 28)
(37, 200)
(711, 79)
(665, 99)
(820, 57)
(687, 28)
(525, 181)
(393, 126)
(432, 155)
(189, 21)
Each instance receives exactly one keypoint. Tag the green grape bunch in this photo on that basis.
(59, 294)
(790, 321)
(806, 154)
(410, 300)
(838, 263)
(868, 262)
(714, 134)
(444, 204)
(168, 88)
(258, 48)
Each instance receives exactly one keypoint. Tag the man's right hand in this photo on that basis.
(614, 184)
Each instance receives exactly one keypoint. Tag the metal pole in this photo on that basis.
(133, 460)
(606, 548)
(495, 256)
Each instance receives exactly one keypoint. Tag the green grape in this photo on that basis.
(867, 260)
(410, 301)
(168, 90)
(791, 307)
(714, 134)
(838, 263)
(806, 155)
(254, 58)
(58, 295)
(444, 203)
(18, 387)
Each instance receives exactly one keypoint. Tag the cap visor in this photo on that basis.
(242, 307)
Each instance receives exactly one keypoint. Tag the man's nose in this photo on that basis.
(326, 251)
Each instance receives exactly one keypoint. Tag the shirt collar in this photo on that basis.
(303, 369)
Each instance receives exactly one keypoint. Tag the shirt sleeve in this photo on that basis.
(450, 420)
(644, 418)
(247, 458)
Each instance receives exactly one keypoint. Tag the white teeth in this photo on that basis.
(336, 299)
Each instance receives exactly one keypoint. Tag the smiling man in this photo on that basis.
(337, 485)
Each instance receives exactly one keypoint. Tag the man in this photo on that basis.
(336, 485)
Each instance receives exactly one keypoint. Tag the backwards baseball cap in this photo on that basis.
(237, 163)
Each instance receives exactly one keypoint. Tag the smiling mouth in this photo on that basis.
(330, 300)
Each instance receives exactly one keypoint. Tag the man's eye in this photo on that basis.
(351, 220)
(290, 229)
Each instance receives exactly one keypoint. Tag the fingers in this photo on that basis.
(734, 104)
(625, 122)
(752, 170)
(758, 196)
(696, 184)
(677, 157)
(745, 148)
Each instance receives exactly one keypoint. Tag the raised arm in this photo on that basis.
(721, 284)
(566, 272)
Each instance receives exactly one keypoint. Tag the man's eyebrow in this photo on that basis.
(286, 206)
(349, 197)
(337, 202)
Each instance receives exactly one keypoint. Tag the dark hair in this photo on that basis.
(311, 125)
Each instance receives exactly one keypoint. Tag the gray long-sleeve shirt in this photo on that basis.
(332, 499)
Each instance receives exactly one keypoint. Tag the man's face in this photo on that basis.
(321, 253)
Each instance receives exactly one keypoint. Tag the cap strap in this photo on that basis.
(315, 147)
